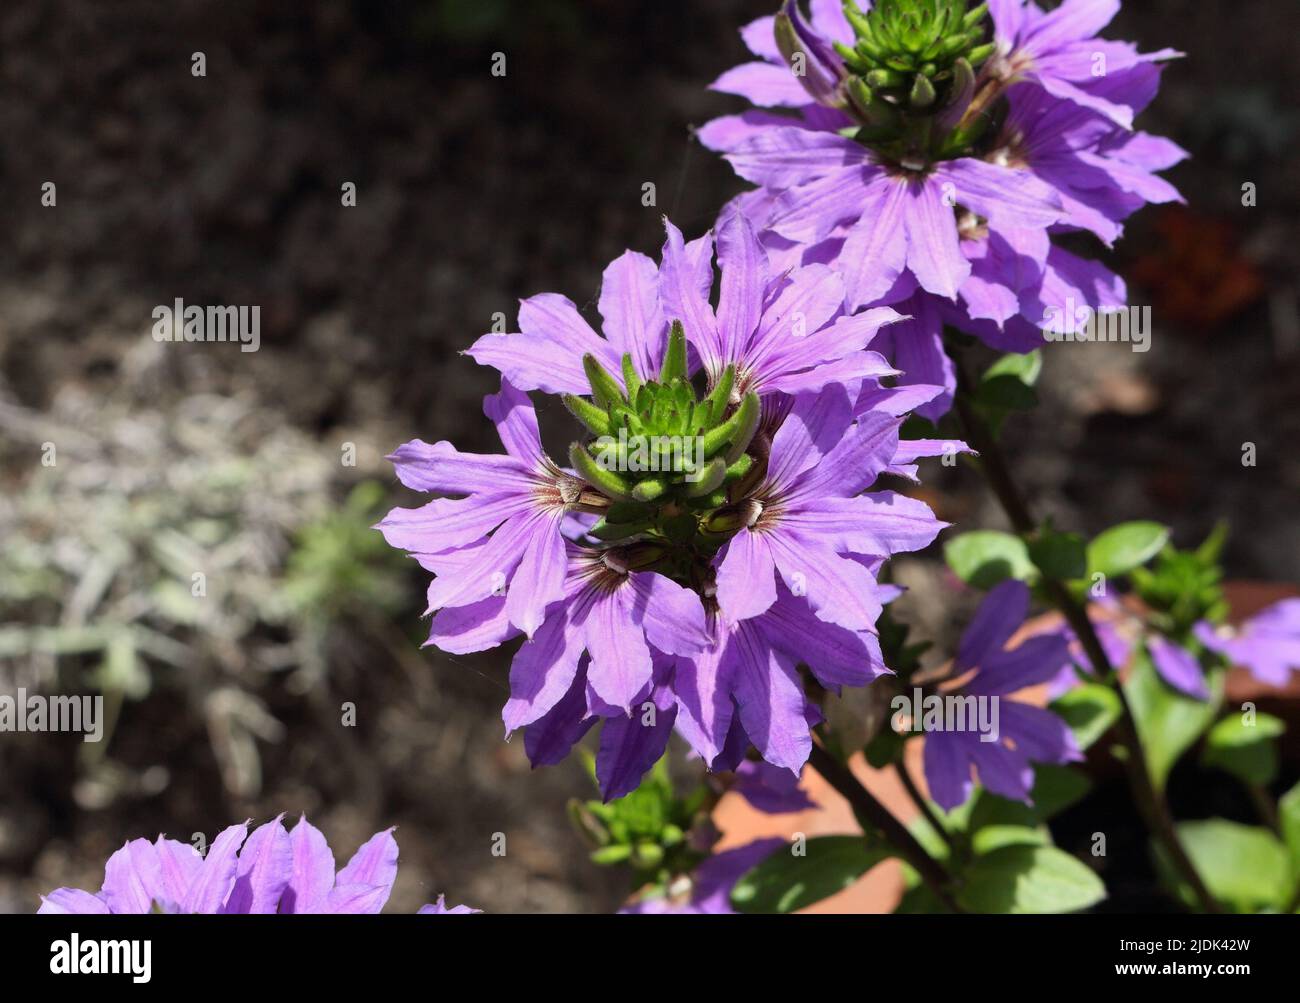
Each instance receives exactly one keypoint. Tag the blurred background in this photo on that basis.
(471, 192)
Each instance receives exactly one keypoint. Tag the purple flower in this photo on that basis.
(1268, 644)
(521, 499)
(809, 523)
(270, 871)
(896, 219)
(783, 330)
(1119, 632)
(954, 232)
(1024, 734)
(658, 604)
(1058, 51)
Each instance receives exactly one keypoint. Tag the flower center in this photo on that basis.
(664, 464)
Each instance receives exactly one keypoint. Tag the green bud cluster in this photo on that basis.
(1184, 586)
(913, 54)
(646, 829)
(665, 458)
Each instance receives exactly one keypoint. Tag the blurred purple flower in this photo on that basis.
(1026, 734)
(1268, 644)
(270, 871)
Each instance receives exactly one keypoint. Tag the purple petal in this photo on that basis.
(746, 576)
(312, 872)
(179, 865)
(211, 887)
(620, 658)
(1039, 734)
(770, 701)
(743, 263)
(439, 908)
(1178, 667)
(72, 902)
(459, 630)
(447, 524)
(947, 770)
(759, 37)
(542, 672)
(513, 413)
(132, 878)
(770, 789)
(933, 252)
(764, 84)
(702, 685)
(1010, 199)
(670, 614)
(265, 867)
(629, 304)
(548, 740)
(1035, 661)
(809, 212)
(788, 156)
(538, 581)
(1074, 19)
(683, 300)
(839, 590)
(876, 249)
(1003, 771)
(356, 899)
(442, 467)
(999, 616)
(373, 865)
(629, 747)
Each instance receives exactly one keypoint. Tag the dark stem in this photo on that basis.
(922, 805)
(1150, 803)
(866, 807)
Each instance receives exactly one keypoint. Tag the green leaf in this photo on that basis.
(1008, 384)
(1026, 368)
(985, 557)
(1247, 751)
(1057, 788)
(1007, 393)
(1168, 722)
(784, 882)
(1089, 709)
(994, 837)
(1122, 548)
(1244, 866)
(1029, 879)
(1060, 555)
(919, 900)
(1288, 810)
(885, 748)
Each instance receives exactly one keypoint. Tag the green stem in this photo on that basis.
(1150, 803)
(868, 809)
(922, 805)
